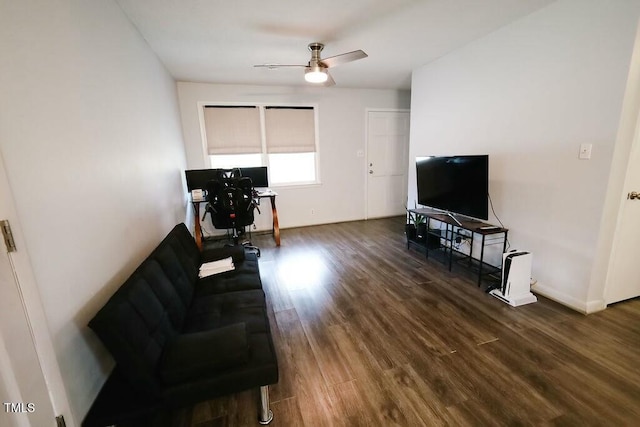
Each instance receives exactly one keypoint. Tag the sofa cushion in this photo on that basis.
(165, 291)
(262, 369)
(182, 237)
(236, 252)
(135, 327)
(201, 354)
(182, 279)
(245, 276)
(215, 311)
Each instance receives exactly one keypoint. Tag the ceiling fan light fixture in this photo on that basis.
(316, 70)
(316, 74)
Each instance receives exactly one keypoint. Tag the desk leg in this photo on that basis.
(197, 227)
(276, 224)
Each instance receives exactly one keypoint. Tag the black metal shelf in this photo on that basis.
(454, 233)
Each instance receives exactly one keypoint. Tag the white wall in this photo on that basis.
(91, 139)
(528, 95)
(342, 126)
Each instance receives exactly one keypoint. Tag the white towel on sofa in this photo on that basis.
(215, 267)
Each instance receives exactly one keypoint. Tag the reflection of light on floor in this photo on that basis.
(302, 271)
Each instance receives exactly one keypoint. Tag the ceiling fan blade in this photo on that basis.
(333, 61)
(273, 66)
(330, 81)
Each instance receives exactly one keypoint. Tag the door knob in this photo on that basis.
(370, 172)
(633, 195)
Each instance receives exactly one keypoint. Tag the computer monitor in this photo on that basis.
(258, 176)
(198, 178)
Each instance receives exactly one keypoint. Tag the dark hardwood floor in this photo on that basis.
(371, 334)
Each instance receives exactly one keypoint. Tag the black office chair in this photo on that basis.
(232, 204)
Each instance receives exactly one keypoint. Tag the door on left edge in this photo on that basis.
(24, 396)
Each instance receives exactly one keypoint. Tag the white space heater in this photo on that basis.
(515, 286)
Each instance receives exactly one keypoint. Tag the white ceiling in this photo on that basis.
(218, 41)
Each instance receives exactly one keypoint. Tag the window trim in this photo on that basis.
(264, 155)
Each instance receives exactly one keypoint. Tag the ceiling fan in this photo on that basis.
(316, 70)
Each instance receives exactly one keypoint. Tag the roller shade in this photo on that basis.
(232, 130)
(290, 129)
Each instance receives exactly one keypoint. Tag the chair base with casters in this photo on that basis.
(236, 236)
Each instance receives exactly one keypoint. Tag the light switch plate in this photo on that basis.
(585, 151)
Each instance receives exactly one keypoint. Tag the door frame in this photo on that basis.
(366, 149)
(608, 239)
(620, 226)
(33, 307)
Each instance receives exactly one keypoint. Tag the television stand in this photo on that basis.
(444, 232)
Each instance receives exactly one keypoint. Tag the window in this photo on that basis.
(281, 138)
(226, 161)
(292, 167)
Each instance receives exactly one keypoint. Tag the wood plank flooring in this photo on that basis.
(371, 334)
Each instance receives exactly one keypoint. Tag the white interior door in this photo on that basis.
(26, 400)
(24, 394)
(21, 377)
(387, 163)
(624, 280)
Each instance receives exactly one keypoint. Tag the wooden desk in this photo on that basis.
(275, 226)
(197, 227)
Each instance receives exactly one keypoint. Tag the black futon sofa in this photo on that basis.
(178, 339)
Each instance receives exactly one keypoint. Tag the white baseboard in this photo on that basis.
(585, 307)
(595, 306)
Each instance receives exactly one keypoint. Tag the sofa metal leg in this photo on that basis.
(265, 415)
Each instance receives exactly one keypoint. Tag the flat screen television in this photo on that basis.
(455, 184)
